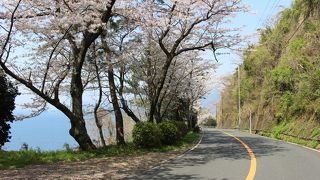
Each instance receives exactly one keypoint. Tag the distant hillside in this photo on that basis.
(280, 78)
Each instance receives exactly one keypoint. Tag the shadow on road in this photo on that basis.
(214, 146)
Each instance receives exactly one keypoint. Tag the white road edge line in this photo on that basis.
(192, 147)
(181, 155)
(306, 147)
(283, 141)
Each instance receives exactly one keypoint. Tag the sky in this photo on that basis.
(49, 131)
(261, 14)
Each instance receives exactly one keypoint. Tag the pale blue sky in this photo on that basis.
(261, 13)
(50, 130)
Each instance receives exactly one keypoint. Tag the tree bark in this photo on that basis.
(155, 95)
(96, 108)
(125, 106)
(116, 107)
(151, 110)
(157, 114)
(113, 93)
(128, 111)
(78, 128)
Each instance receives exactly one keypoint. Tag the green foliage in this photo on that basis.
(24, 147)
(8, 94)
(18, 159)
(297, 44)
(280, 81)
(67, 147)
(182, 128)
(316, 133)
(282, 78)
(211, 121)
(147, 135)
(257, 61)
(286, 101)
(314, 144)
(180, 110)
(197, 129)
(309, 7)
(169, 132)
(279, 129)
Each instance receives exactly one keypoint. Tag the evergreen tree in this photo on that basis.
(8, 94)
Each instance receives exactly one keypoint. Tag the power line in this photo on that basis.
(268, 12)
(273, 7)
(262, 15)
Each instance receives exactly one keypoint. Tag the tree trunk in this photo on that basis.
(128, 111)
(96, 108)
(113, 93)
(99, 126)
(125, 106)
(78, 127)
(79, 132)
(101, 134)
(154, 97)
(151, 111)
(157, 114)
(116, 107)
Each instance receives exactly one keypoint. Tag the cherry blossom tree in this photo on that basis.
(58, 34)
(51, 41)
(8, 92)
(188, 79)
(187, 25)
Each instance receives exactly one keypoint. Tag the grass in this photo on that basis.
(312, 144)
(277, 133)
(19, 159)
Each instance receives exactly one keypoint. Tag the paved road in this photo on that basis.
(222, 157)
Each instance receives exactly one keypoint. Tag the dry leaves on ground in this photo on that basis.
(102, 168)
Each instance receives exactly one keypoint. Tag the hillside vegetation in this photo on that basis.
(280, 78)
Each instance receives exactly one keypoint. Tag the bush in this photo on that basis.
(196, 129)
(211, 121)
(169, 132)
(24, 147)
(146, 135)
(282, 78)
(182, 128)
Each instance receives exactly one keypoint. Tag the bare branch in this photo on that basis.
(50, 57)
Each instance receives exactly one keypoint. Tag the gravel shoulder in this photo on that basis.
(100, 168)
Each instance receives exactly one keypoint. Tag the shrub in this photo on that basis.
(182, 128)
(196, 129)
(146, 135)
(24, 147)
(282, 78)
(169, 132)
(67, 147)
(211, 121)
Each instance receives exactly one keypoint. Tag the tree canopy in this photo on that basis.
(8, 94)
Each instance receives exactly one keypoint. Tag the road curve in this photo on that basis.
(221, 156)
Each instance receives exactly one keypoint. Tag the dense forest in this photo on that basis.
(280, 78)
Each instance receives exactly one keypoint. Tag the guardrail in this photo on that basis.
(256, 131)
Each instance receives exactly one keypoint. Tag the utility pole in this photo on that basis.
(250, 121)
(221, 107)
(216, 112)
(239, 108)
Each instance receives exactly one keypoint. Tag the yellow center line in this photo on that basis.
(253, 161)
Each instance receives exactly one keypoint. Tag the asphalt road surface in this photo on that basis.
(229, 154)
